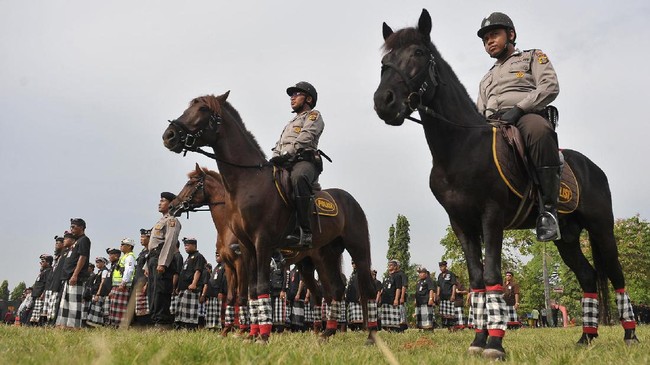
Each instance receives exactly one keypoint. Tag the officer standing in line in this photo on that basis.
(297, 149)
(162, 246)
(517, 90)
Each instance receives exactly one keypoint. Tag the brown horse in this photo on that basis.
(258, 214)
(205, 187)
(466, 182)
(235, 267)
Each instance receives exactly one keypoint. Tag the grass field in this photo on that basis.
(25, 345)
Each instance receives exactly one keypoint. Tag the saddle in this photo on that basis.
(511, 161)
(324, 203)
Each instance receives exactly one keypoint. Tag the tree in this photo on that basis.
(633, 238)
(4, 291)
(17, 293)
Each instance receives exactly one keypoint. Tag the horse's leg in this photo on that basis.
(231, 280)
(306, 269)
(263, 306)
(329, 273)
(494, 303)
(248, 255)
(571, 254)
(471, 244)
(605, 253)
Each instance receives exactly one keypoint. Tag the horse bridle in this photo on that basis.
(189, 139)
(187, 206)
(429, 76)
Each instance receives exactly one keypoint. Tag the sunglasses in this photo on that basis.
(296, 94)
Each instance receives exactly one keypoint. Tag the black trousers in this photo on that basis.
(540, 139)
(159, 292)
(303, 175)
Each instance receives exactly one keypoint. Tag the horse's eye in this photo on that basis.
(383, 68)
(419, 52)
(204, 109)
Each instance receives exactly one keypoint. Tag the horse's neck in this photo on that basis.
(452, 137)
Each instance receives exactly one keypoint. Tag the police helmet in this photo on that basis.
(495, 20)
(306, 88)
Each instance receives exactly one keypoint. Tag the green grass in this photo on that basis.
(24, 345)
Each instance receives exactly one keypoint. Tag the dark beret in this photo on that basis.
(58, 238)
(113, 250)
(443, 262)
(145, 232)
(167, 195)
(47, 258)
(189, 241)
(68, 235)
(78, 222)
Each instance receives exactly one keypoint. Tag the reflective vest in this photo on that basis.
(117, 274)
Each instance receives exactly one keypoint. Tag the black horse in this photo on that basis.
(468, 183)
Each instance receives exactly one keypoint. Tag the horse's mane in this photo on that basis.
(409, 36)
(211, 102)
(196, 174)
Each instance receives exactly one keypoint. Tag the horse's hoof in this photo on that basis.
(262, 340)
(475, 350)
(632, 341)
(370, 341)
(494, 354)
(586, 339)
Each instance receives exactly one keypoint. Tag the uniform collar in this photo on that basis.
(516, 52)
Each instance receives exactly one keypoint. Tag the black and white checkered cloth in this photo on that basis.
(590, 312)
(141, 304)
(460, 316)
(71, 307)
(447, 309)
(309, 313)
(318, 314)
(173, 306)
(424, 316)
(355, 313)
(496, 311)
(402, 314)
(333, 311)
(213, 313)
(298, 313)
(513, 318)
(98, 313)
(470, 317)
(36, 311)
(244, 316)
(343, 318)
(253, 311)
(373, 311)
(118, 300)
(229, 317)
(187, 309)
(478, 310)
(280, 311)
(265, 311)
(48, 304)
(624, 305)
(389, 316)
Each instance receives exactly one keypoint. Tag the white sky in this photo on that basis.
(87, 87)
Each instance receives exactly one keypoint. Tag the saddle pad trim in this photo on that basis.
(496, 162)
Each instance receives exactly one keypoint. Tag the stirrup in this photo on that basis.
(548, 228)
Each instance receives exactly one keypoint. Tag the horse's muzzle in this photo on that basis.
(388, 108)
(172, 139)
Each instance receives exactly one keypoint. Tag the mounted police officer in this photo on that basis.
(518, 89)
(297, 150)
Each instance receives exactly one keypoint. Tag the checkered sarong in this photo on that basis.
(36, 311)
(460, 316)
(187, 308)
(478, 309)
(355, 313)
(590, 310)
(424, 315)
(280, 311)
(624, 306)
(118, 300)
(513, 318)
(333, 311)
(373, 312)
(297, 313)
(173, 306)
(98, 313)
(447, 309)
(496, 311)
(48, 304)
(265, 311)
(71, 306)
(389, 315)
(343, 318)
(470, 317)
(213, 313)
(141, 303)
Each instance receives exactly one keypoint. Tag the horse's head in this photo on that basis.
(192, 195)
(197, 126)
(408, 71)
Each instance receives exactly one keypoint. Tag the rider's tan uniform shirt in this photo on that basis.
(526, 79)
(165, 232)
(303, 131)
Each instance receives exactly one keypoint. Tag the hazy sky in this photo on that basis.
(87, 87)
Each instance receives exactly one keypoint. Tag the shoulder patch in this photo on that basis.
(313, 115)
(542, 58)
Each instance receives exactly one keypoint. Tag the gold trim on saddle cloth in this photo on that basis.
(325, 204)
(569, 189)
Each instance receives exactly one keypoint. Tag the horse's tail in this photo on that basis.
(603, 286)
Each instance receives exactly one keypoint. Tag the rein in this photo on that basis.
(187, 206)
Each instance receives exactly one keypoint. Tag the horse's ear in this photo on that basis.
(424, 24)
(387, 31)
(223, 97)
